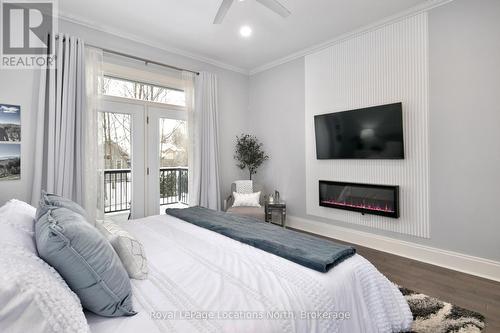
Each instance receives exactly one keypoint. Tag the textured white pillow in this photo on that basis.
(128, 248)
(244, 186)
(17, 225)
(246, 199)
(34, 298)
(19, 214)
(10, 234)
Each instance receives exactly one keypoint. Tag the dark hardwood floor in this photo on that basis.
(467, 291)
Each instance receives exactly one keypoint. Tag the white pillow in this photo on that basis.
(19, 214)
(128, 248)
(246, 199)
(244, 186)
(33, 296)
(17, 225)
(9, 234)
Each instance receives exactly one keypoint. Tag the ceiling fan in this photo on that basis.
(273, 5)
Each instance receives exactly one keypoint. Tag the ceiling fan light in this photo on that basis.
(246, 31)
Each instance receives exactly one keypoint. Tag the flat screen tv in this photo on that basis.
(369, 133)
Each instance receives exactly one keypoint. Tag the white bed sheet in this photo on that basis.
(197, 272)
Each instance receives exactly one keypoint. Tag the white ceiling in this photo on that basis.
(187, 24)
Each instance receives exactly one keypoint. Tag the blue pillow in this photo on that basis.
(48, 199)
(85, 259)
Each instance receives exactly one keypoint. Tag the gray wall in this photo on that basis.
(465, 126)
(277, 105)
(21, 87)
(17, 87)
(464, 130)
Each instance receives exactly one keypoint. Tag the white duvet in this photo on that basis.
(201, 281)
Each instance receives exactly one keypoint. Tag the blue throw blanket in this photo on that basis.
(306, 250)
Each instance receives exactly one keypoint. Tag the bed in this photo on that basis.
(201, 281)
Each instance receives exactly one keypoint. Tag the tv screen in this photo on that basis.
(369, 133)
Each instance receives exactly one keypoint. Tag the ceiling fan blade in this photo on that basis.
(221, 13)
(276, 7)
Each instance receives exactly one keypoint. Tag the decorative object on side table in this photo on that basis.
(275, 210)
(10, 138)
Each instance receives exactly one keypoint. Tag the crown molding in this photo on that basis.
(158, 45)
(424, 7)
(430, 4)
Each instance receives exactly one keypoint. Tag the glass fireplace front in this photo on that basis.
(364, 198)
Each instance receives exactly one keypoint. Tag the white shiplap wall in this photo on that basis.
(386, 65)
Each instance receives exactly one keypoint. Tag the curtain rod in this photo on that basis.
(146, 61)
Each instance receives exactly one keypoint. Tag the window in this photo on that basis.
(143, 125)
(113, 86)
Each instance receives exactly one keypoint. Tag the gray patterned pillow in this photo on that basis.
(128, 248)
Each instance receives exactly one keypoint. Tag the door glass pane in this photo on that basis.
(116, 146)
(173, 163)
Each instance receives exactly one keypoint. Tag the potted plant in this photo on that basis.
(249, 153)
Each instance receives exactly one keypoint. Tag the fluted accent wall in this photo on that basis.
(386, 65)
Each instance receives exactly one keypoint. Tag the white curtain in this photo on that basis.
(94, 155)
(204, 147)
(188, 80)
(66, 137)
(59, 140)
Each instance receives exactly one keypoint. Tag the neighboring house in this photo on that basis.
(173, 156)
(115, 157)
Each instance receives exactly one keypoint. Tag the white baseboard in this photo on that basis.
(481, 267)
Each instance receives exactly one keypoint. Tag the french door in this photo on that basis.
(167, 156)
(145, 157)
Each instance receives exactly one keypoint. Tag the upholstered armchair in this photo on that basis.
(257, 212)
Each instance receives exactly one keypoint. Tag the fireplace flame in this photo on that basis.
(378, 208)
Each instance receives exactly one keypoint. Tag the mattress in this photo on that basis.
(201, 281)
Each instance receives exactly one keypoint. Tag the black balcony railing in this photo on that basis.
(173, 185)
(118, 188)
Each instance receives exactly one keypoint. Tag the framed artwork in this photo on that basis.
(10, 142)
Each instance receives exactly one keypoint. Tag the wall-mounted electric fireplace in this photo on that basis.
(364, 198)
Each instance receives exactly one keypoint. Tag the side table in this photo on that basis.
(279, 210)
